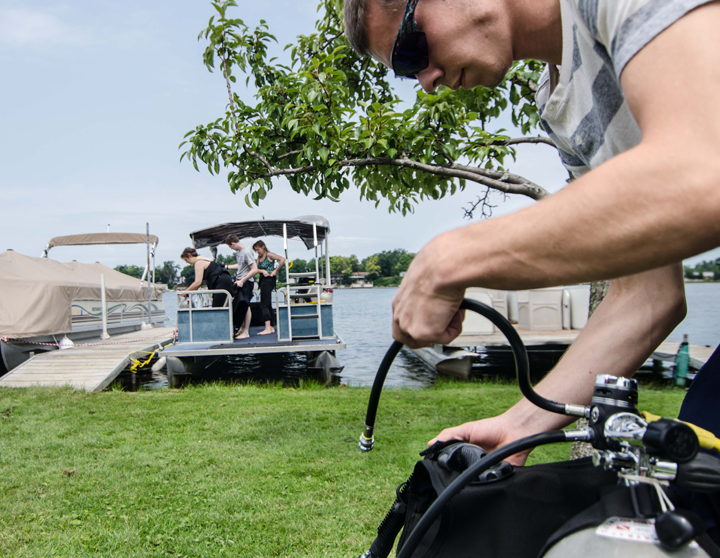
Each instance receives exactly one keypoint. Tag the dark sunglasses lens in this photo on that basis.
(411, 55)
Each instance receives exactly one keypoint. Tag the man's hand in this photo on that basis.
(490, 434)
(240, 282)
(424, 311)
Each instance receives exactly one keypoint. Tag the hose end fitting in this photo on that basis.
(367, 440)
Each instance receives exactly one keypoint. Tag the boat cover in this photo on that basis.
(300, 227)
(101, 238)
(36, 294)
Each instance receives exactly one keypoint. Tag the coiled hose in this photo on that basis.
(522, 368)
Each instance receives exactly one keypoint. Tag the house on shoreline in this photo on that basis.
(358, 280)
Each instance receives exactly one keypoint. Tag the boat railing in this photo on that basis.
(204, 321)
(303, 292)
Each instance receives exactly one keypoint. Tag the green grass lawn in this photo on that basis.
(221, 470)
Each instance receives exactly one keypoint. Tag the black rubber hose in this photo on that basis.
(472, 472)
(522, 369)
(522, 363)
(366, 439)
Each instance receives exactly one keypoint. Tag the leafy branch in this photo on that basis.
(331, 120)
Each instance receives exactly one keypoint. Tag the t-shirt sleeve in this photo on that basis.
(624, 27)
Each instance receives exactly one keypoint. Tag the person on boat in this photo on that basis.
(268, 270)
(629, 96)
(216, 277)
(246, 270)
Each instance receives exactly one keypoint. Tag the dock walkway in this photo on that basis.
(90, 366)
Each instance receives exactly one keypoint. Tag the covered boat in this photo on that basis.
(43, 300)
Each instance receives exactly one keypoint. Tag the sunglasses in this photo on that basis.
(410, 51)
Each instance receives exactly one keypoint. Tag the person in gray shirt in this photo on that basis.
(246, 270)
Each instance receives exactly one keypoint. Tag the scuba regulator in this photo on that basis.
(644, 450)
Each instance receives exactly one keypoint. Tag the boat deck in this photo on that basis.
(255, 344)
(90, 366)
(699, 354)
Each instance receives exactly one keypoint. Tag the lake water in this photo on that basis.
(362, 319)
(702, 323)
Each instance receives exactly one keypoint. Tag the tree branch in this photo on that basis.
(530, 84)
(503, 181)
(485, 207)
(538, 139)
(289, 154)
(260, 158)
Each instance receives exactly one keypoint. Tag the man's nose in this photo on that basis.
(430, 78)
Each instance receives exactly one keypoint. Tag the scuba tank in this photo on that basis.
(629, 513)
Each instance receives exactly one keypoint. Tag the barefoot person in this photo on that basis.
(268, 270)
(216, 278)
(246, 270)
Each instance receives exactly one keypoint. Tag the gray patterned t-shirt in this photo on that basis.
(245, 257)
(587, 115)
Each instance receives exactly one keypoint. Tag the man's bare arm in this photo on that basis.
(638, 313)
(649, 207)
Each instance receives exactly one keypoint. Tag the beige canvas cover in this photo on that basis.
(36, 294)
(101, 238)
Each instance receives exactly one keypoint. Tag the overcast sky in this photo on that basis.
(97, 95)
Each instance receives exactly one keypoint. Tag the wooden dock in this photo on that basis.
(90, 366)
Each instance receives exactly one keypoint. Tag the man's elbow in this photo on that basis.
(670, 310)
(677, 309)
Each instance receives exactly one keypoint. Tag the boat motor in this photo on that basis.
(645, 452)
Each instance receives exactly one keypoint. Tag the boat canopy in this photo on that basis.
(91, 239)
(37, 293)
(300, 227)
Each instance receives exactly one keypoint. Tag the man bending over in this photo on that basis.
(630, 97)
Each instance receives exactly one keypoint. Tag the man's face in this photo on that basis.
(235, 246)
(468, 41)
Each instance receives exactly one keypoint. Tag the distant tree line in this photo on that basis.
(167, 273)
(700, 271)
(383, 268)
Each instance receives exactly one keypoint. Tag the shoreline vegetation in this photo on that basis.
(222, 470)
(705, 271)
(385, 268)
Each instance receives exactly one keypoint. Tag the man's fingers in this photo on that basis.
(454, 433)
(406, 339)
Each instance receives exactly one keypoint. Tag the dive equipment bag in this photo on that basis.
(507, 512)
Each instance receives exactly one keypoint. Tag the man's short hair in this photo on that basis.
(231, 239)
(356, 20)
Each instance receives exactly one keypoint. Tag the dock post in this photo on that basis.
(148, 324)
(103, 302)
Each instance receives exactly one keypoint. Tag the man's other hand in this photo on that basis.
(490, 434)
